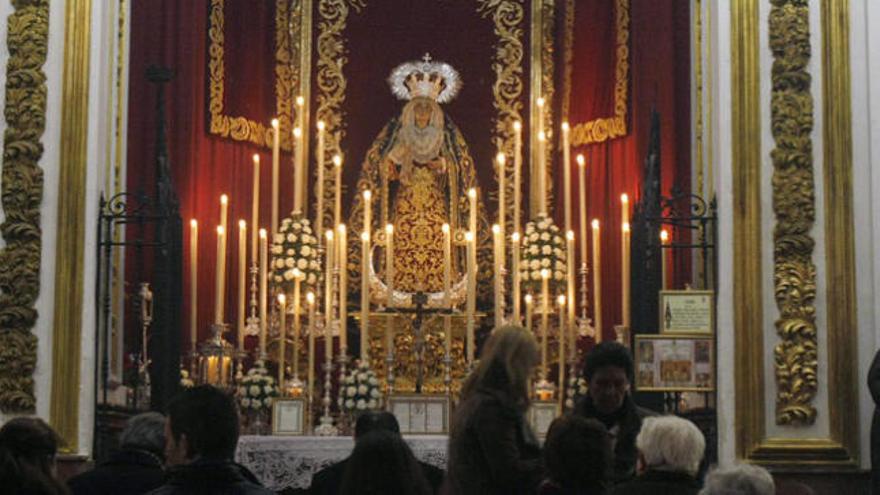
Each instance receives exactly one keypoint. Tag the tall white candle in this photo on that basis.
(242, 289)
(298, 189)
(515, 241)
(328, 277)
(264, 261)
(545, 318)
(319, 196)
(470, 238)
(342, 246)
(389, 262)
(570, 277)
(255, 208)
(224, 218)
(517, 175)
(542, 175)
(302, 167)
(664, 261)
(582, 206)
(625, 299)
(497, 242)
(566, 176)
(530, 301)
(218, 282)
(276, 157)
(310, 374)
(297, 312)
(563, 334)
(502, 195)
(597, 282)
(193, 282)
(282, 336)
(337, 190)
(365, 296)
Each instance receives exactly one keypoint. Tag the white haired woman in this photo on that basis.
(670, 450)
(741, 479)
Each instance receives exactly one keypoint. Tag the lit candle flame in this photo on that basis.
(581, 160)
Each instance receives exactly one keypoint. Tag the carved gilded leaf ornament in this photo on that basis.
(794, 276)
(21, 195)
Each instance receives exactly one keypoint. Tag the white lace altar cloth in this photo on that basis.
(281, 462)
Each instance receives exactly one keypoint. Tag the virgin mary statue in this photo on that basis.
(419, 170)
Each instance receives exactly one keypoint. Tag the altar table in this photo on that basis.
(281, 461)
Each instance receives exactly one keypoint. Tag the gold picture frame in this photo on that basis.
(674, 363)
(289, 416)
(421, 414)
(690, 312)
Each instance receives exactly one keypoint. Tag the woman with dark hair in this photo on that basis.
(577, 453)
(383, 463)
(27, 458)
(491, 447)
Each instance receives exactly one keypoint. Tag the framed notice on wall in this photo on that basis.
(541, 414)
(288, 416)
(675, 363)
(687, 311)
(420, 414)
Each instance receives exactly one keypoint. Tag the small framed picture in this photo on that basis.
(288, 416)
(541, 414)
(687, 311)
(675, 363)
(421, 414)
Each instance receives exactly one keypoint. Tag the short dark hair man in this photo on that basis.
(201, 435)
(608, 370)
(136, 468)
(329, 480)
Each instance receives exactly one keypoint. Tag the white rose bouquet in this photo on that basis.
(256, 390)
(577, 388)
(359, 390)
(543, 248)
(295, 247)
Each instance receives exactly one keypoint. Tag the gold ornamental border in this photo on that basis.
(287, 79)
(603, 128)
(22, 193)
(840, 449)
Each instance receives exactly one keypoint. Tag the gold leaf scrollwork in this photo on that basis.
(605, 128)
(795, 356)
(21, 195)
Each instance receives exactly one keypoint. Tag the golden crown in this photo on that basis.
(426, 78)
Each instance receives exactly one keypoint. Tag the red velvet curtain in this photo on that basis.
(659, 49)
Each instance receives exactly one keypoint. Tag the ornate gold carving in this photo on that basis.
(21, 195)
(791, 115)
(507, 64)
(241, 128)
(548, 26)
(567, 57)
(71, 227)
(605, 128)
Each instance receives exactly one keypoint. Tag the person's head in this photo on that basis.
(423, 112)
(27, 457)
(145, 431)
(375, 420)
(202, 423)
(741, 479)
(577, 453)
(383, 463)
(670, 443)
(508, 358)
(608, 370)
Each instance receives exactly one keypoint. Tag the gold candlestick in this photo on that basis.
(264, 262)
(471, 293)
(193, 283)
(597, 282)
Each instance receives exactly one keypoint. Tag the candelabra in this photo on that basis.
(326, 428)
(252, 324)
(584, 324)
(389, 358)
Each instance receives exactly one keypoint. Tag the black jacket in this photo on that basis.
(127, 472)
(659, 483)
(328, 481)
(210, 477)
(492, 449)
(629, 419)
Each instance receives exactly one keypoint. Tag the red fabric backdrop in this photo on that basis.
(175, 34)
(659, 68)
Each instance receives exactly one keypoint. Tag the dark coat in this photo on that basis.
(629, 420)
(328, 481)
(128, 472)
(659, 483)
(550, 488)
(874, 387)
(492, 449)
(211, 477)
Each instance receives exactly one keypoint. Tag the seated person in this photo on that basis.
(670, 450)
(27, 458)
(201, 435)
(741, 479)
(328, 481)
(608, 369)
(382, 463)
(577, 455)
(138, 465)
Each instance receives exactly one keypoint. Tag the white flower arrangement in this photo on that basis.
(295, 247)
(256, 390)
(543, 249)
(185, 380)
(577, 388)
(359, 391)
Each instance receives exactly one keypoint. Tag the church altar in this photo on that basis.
(281, 462)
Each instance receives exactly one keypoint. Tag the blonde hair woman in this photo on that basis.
(492, 448)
